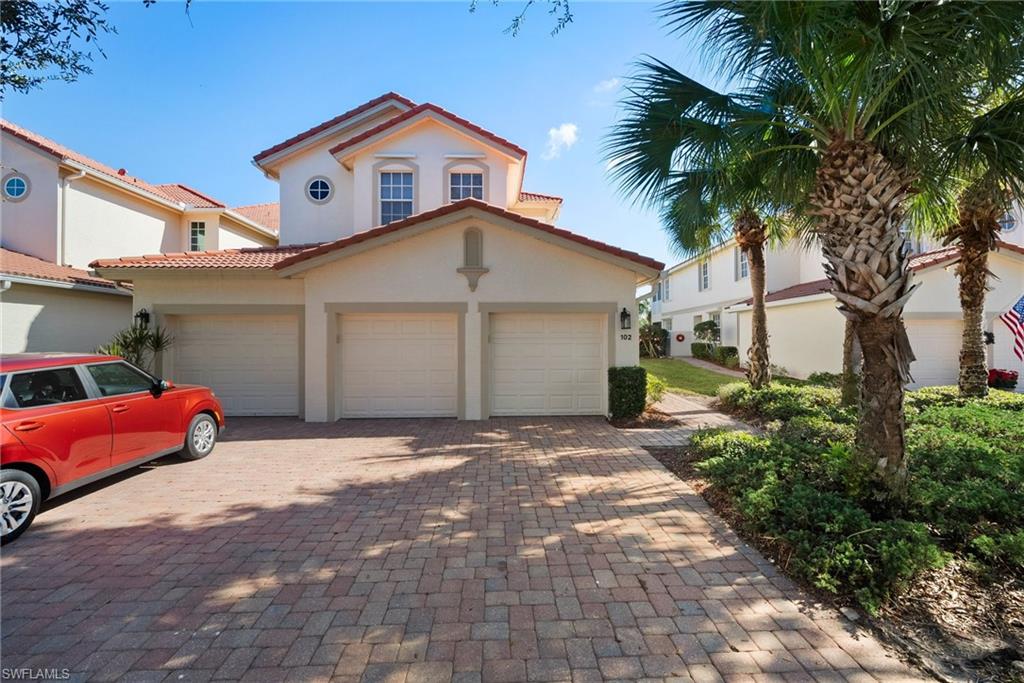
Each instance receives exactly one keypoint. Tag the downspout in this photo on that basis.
(62, 245)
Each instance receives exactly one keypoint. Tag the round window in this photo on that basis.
(15, 187)
(319, 190)
(1007, 223)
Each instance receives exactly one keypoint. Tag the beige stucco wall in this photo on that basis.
(35, 318)
(419, 269)
(30, 225)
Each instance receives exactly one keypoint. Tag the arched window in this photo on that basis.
(473, 248)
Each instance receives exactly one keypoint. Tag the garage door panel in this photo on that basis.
(399, 365)
(250, 361)
(936, 344)
(547, 364)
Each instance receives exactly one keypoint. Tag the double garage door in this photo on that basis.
(400, 365)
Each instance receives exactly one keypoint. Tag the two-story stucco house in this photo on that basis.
(415, 277)
(60, 210)
(804, 327)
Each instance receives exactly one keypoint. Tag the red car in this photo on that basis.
(70, 419)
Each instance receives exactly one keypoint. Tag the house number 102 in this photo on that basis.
(625, 337)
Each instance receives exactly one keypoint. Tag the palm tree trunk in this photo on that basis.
(848, 380)
(975, 234)
(859, 197)
(750, 236)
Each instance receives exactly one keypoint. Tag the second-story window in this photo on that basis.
(704, 275)
(197, 236)
(396, 200)
(666, 291)
(466, 186)
(742, 264)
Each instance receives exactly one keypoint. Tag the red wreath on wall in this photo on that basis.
(680, 337)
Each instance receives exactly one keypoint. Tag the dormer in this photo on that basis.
(389, 159)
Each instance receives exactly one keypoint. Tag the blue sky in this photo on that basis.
(181, 101)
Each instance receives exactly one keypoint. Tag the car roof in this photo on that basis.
(13, 362)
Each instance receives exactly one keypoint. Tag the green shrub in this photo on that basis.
(727, 355)
(702, 350)
(825, 379)
(783, 402)
(656, 388)
(627, 391)
(816, 430)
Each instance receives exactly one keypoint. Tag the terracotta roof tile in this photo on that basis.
(16, 263)
(268, 215)
(187, 195)
(416, 111)
(246, 258)
(454, 208)
(295, 139)
(537, 197)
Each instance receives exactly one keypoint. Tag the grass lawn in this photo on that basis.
(684, 378)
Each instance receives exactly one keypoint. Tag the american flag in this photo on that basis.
(1014, 319)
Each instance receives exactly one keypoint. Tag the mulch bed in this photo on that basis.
(951, 623)
(650, 419)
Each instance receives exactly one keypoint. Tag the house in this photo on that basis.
(61, 210)
(414, 278)
(805, 329)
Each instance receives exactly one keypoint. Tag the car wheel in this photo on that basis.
(200, 438)
(20, 497)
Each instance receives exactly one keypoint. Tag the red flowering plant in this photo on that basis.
(1002, 379)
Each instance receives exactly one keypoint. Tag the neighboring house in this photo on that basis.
(60, 208)
(415, 277)
(805, 329)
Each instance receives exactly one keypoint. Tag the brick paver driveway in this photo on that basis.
(409, 550)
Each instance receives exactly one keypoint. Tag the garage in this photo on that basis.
(548, 364)
(399, 365)
(936, 344)
(250, 361)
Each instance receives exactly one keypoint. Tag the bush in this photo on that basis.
(727, 355)
(627, 392)
(702, 350)
(783, 402)
(825, 379)
(656, 388)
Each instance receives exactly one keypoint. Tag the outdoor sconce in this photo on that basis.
(990, 338)
(142, 317)
(625, 319)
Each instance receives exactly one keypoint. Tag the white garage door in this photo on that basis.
(399, 365)
(936, 344)
(250, 361)
(548, 364)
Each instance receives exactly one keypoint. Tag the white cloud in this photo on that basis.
(561, 138)
(607, 85)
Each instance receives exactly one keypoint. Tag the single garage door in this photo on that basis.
(399, 365)
(250, 361)
(548, 364)
(936, 345)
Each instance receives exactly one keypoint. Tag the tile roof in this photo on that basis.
(16, 263)
(537, 197)
(187, 195)
(455, 207)
(416, 111)
(245, 258)
(295, 139)
(920, 262)
(284, 256)
(268, 215)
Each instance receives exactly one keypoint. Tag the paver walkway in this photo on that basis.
(413, 550)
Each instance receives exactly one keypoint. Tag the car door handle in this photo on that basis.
(119, 408)
(28, 426)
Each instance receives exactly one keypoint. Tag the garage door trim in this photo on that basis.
(334, 309)
(610, 309)
(159, 311)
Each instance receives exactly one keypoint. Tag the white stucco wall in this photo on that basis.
(35, 318)
(30, 225)
(231, 236)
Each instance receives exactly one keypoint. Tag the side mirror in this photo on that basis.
(162, 385)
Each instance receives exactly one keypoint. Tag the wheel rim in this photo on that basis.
(203, 436)
(15, 506)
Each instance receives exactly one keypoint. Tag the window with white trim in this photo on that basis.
(197, 236)
(704, 275)
(463, 185)
(396, 200)
(15, 187)
(318, 190)
(742, 264)
(667, 292)
(1007, 223)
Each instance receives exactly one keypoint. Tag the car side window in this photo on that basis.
(114, 379)
(46, 387)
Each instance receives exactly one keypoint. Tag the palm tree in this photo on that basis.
(988, 154)
(680, 148)
(873, 83)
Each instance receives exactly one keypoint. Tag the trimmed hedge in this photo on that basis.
(723, 355)
(627, 392)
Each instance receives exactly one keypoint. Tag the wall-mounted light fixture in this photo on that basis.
(625, 319)
(142, 317)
